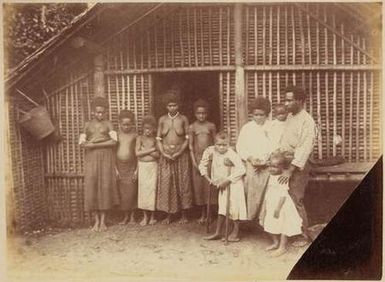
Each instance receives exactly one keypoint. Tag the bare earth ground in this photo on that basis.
(150, 253)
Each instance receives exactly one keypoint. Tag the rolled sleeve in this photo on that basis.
(204, 163)
(238, 170)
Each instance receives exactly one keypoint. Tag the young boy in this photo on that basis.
(126, 165)
(226, 173)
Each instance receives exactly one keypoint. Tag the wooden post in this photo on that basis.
(99, 76)
(240, 95)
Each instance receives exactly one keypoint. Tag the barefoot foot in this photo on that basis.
(213, 237)
(167, 220)
(273, 246)
(278, 252)
(202, 220)
(124, 221)
(95, 228)
(103, 227)
(300, 243)
(183, 220)
(143, 222)
(152, 221)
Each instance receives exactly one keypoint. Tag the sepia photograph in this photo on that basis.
(194, 141)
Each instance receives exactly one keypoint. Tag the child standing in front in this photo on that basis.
(278, 125)
(279, 216)
(126, 165)
(227, 171)
(201, 135)
(148, 155)
(99, 140)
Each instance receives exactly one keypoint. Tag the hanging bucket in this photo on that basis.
(36, 121)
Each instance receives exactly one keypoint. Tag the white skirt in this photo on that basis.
(147, 178)
(237, 201)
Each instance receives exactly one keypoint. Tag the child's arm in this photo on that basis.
(159, 140)
(279, 206)
(141, 153)
(108, 143)
(205, 162)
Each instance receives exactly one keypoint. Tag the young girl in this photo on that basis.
(99, 140)
(279, 216)
(226, 171)
(278, 125)
(254, 147)
(201, 135)
(126, 165)
(148, 155)
(173, 189)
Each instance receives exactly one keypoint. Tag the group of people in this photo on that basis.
(175, 165)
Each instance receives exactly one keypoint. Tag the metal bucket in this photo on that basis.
(37, 122)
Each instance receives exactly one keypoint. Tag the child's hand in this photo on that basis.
(117, 174)
(228, 162)
(222, 184)
(276, 213)
(169, 157)
(135, 176)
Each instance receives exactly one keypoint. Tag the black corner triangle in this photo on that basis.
(350, 246)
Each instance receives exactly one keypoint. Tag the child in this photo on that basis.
(279, 216)
(126, 165)
(254, 147)
(226, 171)
(148, 155)
(99, 140)
(278, 125)
(201, 135)
(173, 188)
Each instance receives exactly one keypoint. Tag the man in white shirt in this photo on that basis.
(298, 138)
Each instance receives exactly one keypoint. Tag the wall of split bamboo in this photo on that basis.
(283, 44)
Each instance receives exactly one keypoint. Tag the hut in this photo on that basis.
(227, 53)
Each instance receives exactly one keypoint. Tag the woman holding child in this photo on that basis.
(254, 148)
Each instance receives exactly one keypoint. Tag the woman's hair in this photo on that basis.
(260, 103)
(99, 102)
(298, 92)
(284, 157)
(150, 120)
(200, 103)
(126, 114)
(279, 106)
(171, 96)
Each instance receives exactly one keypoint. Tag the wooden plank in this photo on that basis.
(319, 120)
(293, 34)
(228, 110)
(210, 38)
(67, 130)
(357, 114)
(279, 87)
(128, 51)
(135, 101)
(120, 53)
(318, 39)
(188, 37)
(221, 98)
(309, 38)
(278, 35)
(201, 37)
(117, 93)
(156, 45)
(195, 37)
(343, 136)
(149, 65)
(334, 111)
(109, 94)
(334, 41)
(129, 91)
(327, 114)
(264, 35)
(311, 93)
(255, 35)
(326, 37)
(349, 167)
(270, 36)
(351, 117)
(228, 35)
(142, 94)
(286, 37)
(150, 94)
(123, 88)
(305, 67)
(142, 49)
(181, 39)
(371, 116)
(182, 69)
(255, 84)
(164, 42)
(247, 26)
(365, 109)
(270, 92)
(302, 35)
(73, 160)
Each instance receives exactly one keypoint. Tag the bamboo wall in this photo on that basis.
(282, 45)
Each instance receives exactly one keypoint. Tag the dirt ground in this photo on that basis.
(150, 253)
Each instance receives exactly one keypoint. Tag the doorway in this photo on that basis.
(194, 86)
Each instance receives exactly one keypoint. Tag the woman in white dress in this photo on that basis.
(279, 216)
(254, 147)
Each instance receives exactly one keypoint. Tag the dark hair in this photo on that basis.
(126, 114)
(171, 96)
(222, 135)
(283, 157)
(260, 103)
(99, 102)
(150, 120)
(280, 105)
(200, 104)
(298, 92)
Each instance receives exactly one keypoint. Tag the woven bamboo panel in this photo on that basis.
(287, 35)
(339, 103)
(27, 170)
(227, 105)
(190, 36)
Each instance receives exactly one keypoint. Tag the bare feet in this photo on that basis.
(124, 221)
(103, 227)
(167, 220)
(278, 252)
(273, 246)
(213, 237)
(144, 222)
(183, 220)
(95, 228)
(231, 239)
(152, 221)
(202, 220)
(300, 243)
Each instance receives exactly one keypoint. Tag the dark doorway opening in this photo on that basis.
(193, 85)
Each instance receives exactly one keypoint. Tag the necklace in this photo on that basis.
(173, 117)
